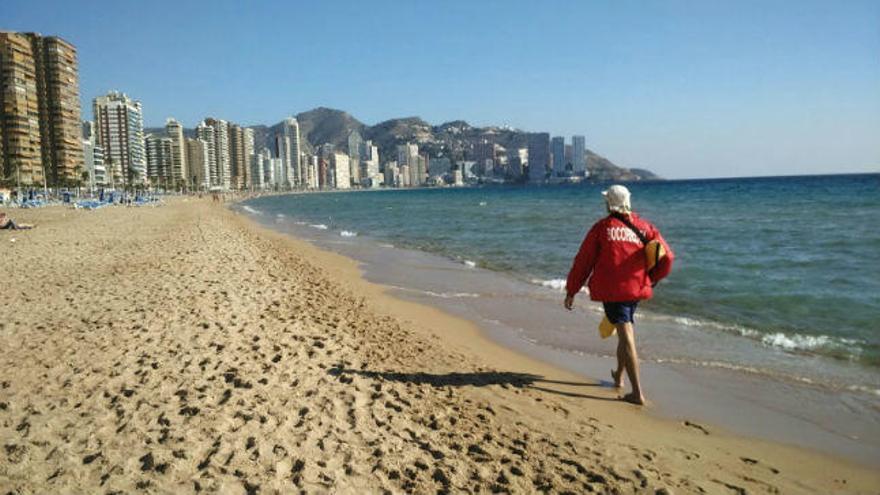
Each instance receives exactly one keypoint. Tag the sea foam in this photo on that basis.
(348, 233)
(252, 211)
(319, 226)
(557, 284)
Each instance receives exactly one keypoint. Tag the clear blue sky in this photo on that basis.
(685, 88)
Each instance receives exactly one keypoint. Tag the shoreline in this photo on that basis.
(445, 407)
(747, 404)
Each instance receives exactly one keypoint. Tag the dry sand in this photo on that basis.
(185, 349)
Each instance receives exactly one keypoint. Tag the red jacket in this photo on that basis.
(613, 258)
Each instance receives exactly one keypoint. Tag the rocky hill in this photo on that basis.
(451, 139)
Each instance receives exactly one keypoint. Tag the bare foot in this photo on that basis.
(632, 398)
(617, 377)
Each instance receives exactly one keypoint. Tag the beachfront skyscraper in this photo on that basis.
(178, 173)
(205, 132)
(198, 160)
(539, 155)
(557, 149)
(257, 173)
(93, 155)
(220, 167)
(314, 170)
(578, 157)
(241, 151)
(289, 148)
(20, 148)
(355, 143)
(160, 156)
(370, 161)
(340, 168)
(120, 123)
(249, 154)
(40, 136)
(408, 156)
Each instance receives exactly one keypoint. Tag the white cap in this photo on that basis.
(617, 198)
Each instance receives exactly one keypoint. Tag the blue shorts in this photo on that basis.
(620, 312)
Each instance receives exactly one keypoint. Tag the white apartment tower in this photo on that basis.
(205, 132)
(93, 161)
(120, 130)
(174, 130)
(221, 174)
(355, 144)
(369, 161)
(291, 152)
(408, 156)
(249, 156)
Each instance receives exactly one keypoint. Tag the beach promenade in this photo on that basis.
(183, 349)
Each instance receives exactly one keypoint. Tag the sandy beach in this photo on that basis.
(184, 349)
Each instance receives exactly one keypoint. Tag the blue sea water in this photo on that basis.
(790, 262)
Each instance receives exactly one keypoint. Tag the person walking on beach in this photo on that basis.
(623, 256)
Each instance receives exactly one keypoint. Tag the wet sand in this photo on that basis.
(184, 348)
(529, 319)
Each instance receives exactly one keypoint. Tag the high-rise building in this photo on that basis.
(198, 159)
(539, 155)
(206, 133)
(160, 156)
(289, 151)
(578, 155)
(355, 145)
(40, 136)
(236, 155)
(282, 152)
(241, 150)
(178, 173)
(93, 155)
(392, 174)
(323, 172)
(517, 159)
(20, 144)
(405, 177)
(93, 162)
(221, 175)
(484, 155)
(249, 154)
(258, 172)
(369, 160)
(422, 162)
(266, 166)
(408, 156)
(120, 123)
(340, 166)
(557, 147)
(312, 163)
(58, 89)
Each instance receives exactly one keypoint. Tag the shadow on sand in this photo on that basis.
(475, 379)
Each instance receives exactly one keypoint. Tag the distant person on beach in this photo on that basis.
(7, 223)
(623, 256)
